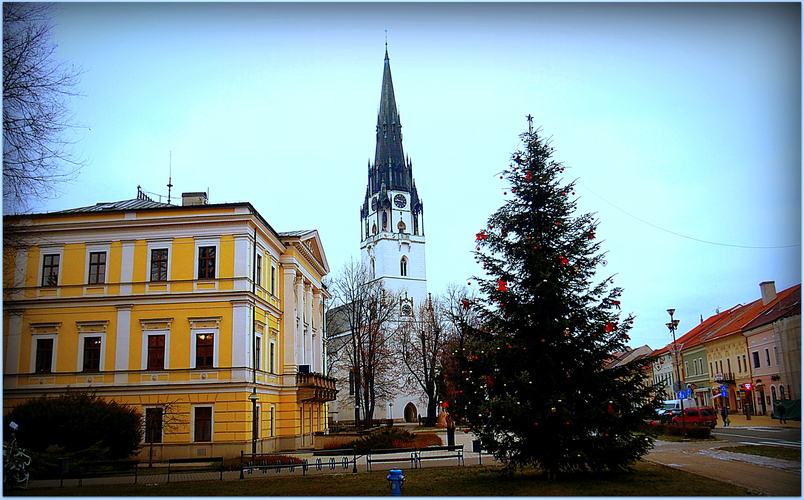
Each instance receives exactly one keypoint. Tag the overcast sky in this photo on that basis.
(681, 122)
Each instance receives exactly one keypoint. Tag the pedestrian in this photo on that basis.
(724, 412)
(780, 413)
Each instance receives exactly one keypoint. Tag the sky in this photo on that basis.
(680, 122)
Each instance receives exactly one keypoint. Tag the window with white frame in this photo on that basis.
(155, 343)
(755, 358)
(92, 353)
(204, 342)
(44, 343)
(767, 357)
(272, 356)
(207, 259)
(44, 354)
(204, 350)
(159, 264)
(50, 269)
(258, 352)
(97, 268)
(258, 274)
(91, 344)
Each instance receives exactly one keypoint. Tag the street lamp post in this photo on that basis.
(673, 325)
(253, 398)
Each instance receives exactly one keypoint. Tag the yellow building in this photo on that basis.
(200, 315)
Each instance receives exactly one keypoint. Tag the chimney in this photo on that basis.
(768, 289)
(195, 198)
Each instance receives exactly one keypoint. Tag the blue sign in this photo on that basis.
(689, 392)
(682, 394)
(723, 388)
(724, 394)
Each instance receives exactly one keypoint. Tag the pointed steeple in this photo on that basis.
(389, 166)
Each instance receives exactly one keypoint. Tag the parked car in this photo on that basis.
(703, 415)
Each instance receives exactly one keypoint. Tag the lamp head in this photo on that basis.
(671, 311)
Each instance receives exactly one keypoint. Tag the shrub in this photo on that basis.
(78, 425)
(393, 437)
(693, 431)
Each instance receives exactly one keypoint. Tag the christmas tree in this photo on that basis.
(530, 382)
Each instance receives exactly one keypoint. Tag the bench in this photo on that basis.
(439, 453)
(107, 468)
(370, 457)
(206, 464)
(266, 461)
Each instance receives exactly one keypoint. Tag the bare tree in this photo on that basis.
(164, 418)
(37, 153)
(361, 320)
(426, 340)
(457, 306)
(422, 339)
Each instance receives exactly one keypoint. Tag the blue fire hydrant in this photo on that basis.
(395, 481)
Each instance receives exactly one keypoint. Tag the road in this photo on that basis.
(769, 436)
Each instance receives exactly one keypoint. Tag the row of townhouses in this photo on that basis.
(201, 310)
(746, 358)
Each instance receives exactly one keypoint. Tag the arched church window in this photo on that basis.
(373, 271)
(384, 221)
(781, 391)
(374, 228)
(416, 224)
(403, 266)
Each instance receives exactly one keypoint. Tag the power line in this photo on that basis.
(679, 234)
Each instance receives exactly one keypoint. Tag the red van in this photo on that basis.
(703, 415)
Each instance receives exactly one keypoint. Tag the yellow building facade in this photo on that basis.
(201, 316)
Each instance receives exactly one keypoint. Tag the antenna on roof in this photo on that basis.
(170, 176)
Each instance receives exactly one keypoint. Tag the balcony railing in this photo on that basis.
(724, 377)
(316, 387)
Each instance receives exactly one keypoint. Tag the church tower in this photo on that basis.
(392, 215)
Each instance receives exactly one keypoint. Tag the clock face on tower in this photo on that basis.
(400, 201)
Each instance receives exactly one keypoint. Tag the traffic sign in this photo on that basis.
(724, 394)
(682, 394)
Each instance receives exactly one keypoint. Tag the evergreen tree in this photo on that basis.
(531, 383)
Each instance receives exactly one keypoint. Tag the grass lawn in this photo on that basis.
(648, 480)
(767, 451)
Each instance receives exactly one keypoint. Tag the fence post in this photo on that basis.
(241, 464)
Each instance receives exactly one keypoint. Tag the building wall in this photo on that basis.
(128, 306)
(788, 330)
(726, 357)
(696, 372)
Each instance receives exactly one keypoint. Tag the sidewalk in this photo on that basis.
(766, 476)
(739, 420)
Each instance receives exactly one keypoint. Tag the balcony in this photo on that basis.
(314, 387)
(724, 378)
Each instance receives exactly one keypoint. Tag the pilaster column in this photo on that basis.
(288, 334)
(14, 343)
(127, 270)
(122, 342)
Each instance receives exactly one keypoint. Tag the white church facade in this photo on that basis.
(392, 247)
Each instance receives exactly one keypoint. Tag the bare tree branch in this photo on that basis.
(361, 321)
(37, 150)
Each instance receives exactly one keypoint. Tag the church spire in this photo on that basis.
(389, 166)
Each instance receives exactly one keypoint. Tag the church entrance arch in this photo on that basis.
(410, 413)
